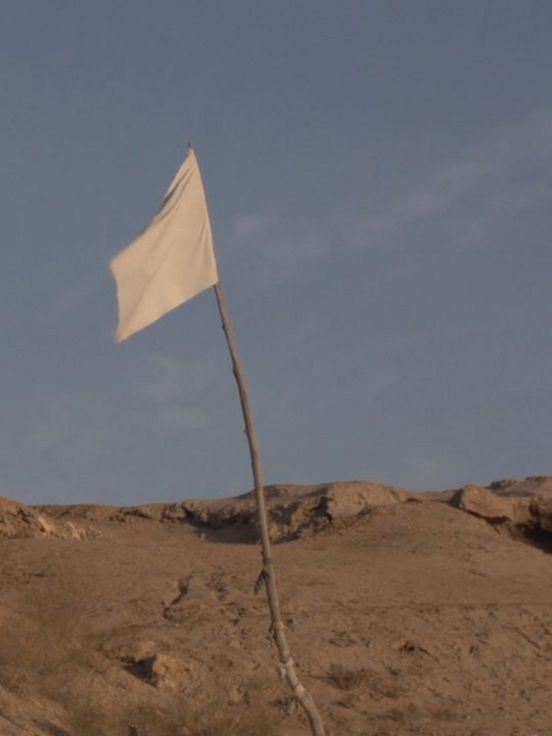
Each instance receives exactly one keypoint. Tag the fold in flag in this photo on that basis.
(172, 261)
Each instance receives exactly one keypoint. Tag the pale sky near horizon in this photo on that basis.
(379, 176)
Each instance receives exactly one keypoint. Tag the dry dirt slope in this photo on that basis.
(407, 614)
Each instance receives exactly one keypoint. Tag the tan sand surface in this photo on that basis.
(407, 613)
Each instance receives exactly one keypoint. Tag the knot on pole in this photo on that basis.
(264, 575)
(299, 691)
(285, 668)
(277, 631)
(261, 581)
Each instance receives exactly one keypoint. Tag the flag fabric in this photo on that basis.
(172, 261)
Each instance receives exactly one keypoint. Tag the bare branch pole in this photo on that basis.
(287, 665)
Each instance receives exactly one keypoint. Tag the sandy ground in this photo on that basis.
(406, 613)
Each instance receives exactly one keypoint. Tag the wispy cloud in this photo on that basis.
(458, 202)
(54, 419)
(509, 173)
(275, 244)
(76, 294)
(174, 391)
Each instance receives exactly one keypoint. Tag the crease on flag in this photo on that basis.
(172, 261)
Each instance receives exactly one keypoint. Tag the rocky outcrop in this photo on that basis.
(294, 510)
(18, 520)
(523, 507)
(484, 503)
(164, 670)
(346, 500)
(520, 506)
(532, 486)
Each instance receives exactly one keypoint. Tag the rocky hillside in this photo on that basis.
(407, 613)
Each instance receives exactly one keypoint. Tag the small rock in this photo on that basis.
(235, 695)
(164, 670)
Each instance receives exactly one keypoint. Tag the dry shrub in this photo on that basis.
(347, 678)
(408, 713)
(378, 685)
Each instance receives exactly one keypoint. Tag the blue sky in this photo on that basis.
(380, 182)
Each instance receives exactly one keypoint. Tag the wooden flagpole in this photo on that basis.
(286, 664)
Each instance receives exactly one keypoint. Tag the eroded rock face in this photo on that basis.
(523, 506)
(293, 510)
(541, 512)
(484, 503)
(533, 485)
(296, 510)
(346, 500)
(18, 520)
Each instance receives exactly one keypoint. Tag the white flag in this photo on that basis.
(172, 261)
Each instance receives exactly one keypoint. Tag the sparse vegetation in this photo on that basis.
(144, 720)
(378, 685)
(347, 678)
